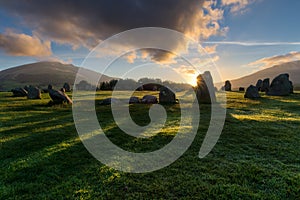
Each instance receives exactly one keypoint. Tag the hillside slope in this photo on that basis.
(292, 68)
(42, 74)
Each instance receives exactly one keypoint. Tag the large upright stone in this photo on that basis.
(67, 87)
(280, 86)
(265, 85)
(33, 92)
(259, 84)
(251, 92)
(166, 95)
(205, 88)
(227, 86)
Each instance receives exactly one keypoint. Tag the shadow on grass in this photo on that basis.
(252, 159)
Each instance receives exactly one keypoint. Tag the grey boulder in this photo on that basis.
(166, 95)
(58, 97)
(67, 87)
(34, 93)
(259, 84)
(134, 100)
(265, 85)
(241, 89)
(227, 86)
(280, 86)
(19, 92)
(149, 99)
(251, 92)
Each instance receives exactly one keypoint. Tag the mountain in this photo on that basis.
(41, 74)
(292, 68)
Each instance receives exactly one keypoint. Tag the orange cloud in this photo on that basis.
(210, 49)
(24, 45)
(131, 57)
(275, 60)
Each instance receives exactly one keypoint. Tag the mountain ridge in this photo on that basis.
(43, 73)
(292, 68)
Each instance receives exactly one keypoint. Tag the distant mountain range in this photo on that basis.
(292, 68)
(41, 74)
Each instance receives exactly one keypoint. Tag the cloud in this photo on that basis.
(187, 70)
(156, 55)
(237, 5)
(210, 21)
(275, 60)
(131, 57)
(86, 23)
(240, 43)
(211, 49)
(24, 45)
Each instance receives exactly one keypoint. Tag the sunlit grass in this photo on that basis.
(256, 157)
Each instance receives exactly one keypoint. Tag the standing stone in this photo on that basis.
(166, 95)
(134, 100)
(19, 92)
(259, 84)
(241, 89)
(149, 99)
(67, 87)
(58, 97)
(227, 85)
(33, 92)
(265, 85)
(26, 87)
(251, 92)
(204, 87)
(280, 86)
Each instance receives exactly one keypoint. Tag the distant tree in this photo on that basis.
(127, 84)
(84, 85)
(112, 84)
(150, 84)
(105, 86)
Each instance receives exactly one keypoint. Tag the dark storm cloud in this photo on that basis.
(86, 23)
(81, 22)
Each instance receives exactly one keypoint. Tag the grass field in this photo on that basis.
(256, 157)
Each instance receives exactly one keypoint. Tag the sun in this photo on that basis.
(193, 79)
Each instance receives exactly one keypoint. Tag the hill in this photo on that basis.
(292, 68)
(41, 74)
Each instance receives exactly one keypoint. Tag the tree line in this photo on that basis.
(131, 84)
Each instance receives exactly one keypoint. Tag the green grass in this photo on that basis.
(256, 157)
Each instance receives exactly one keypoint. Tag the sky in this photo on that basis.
(239, 36)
